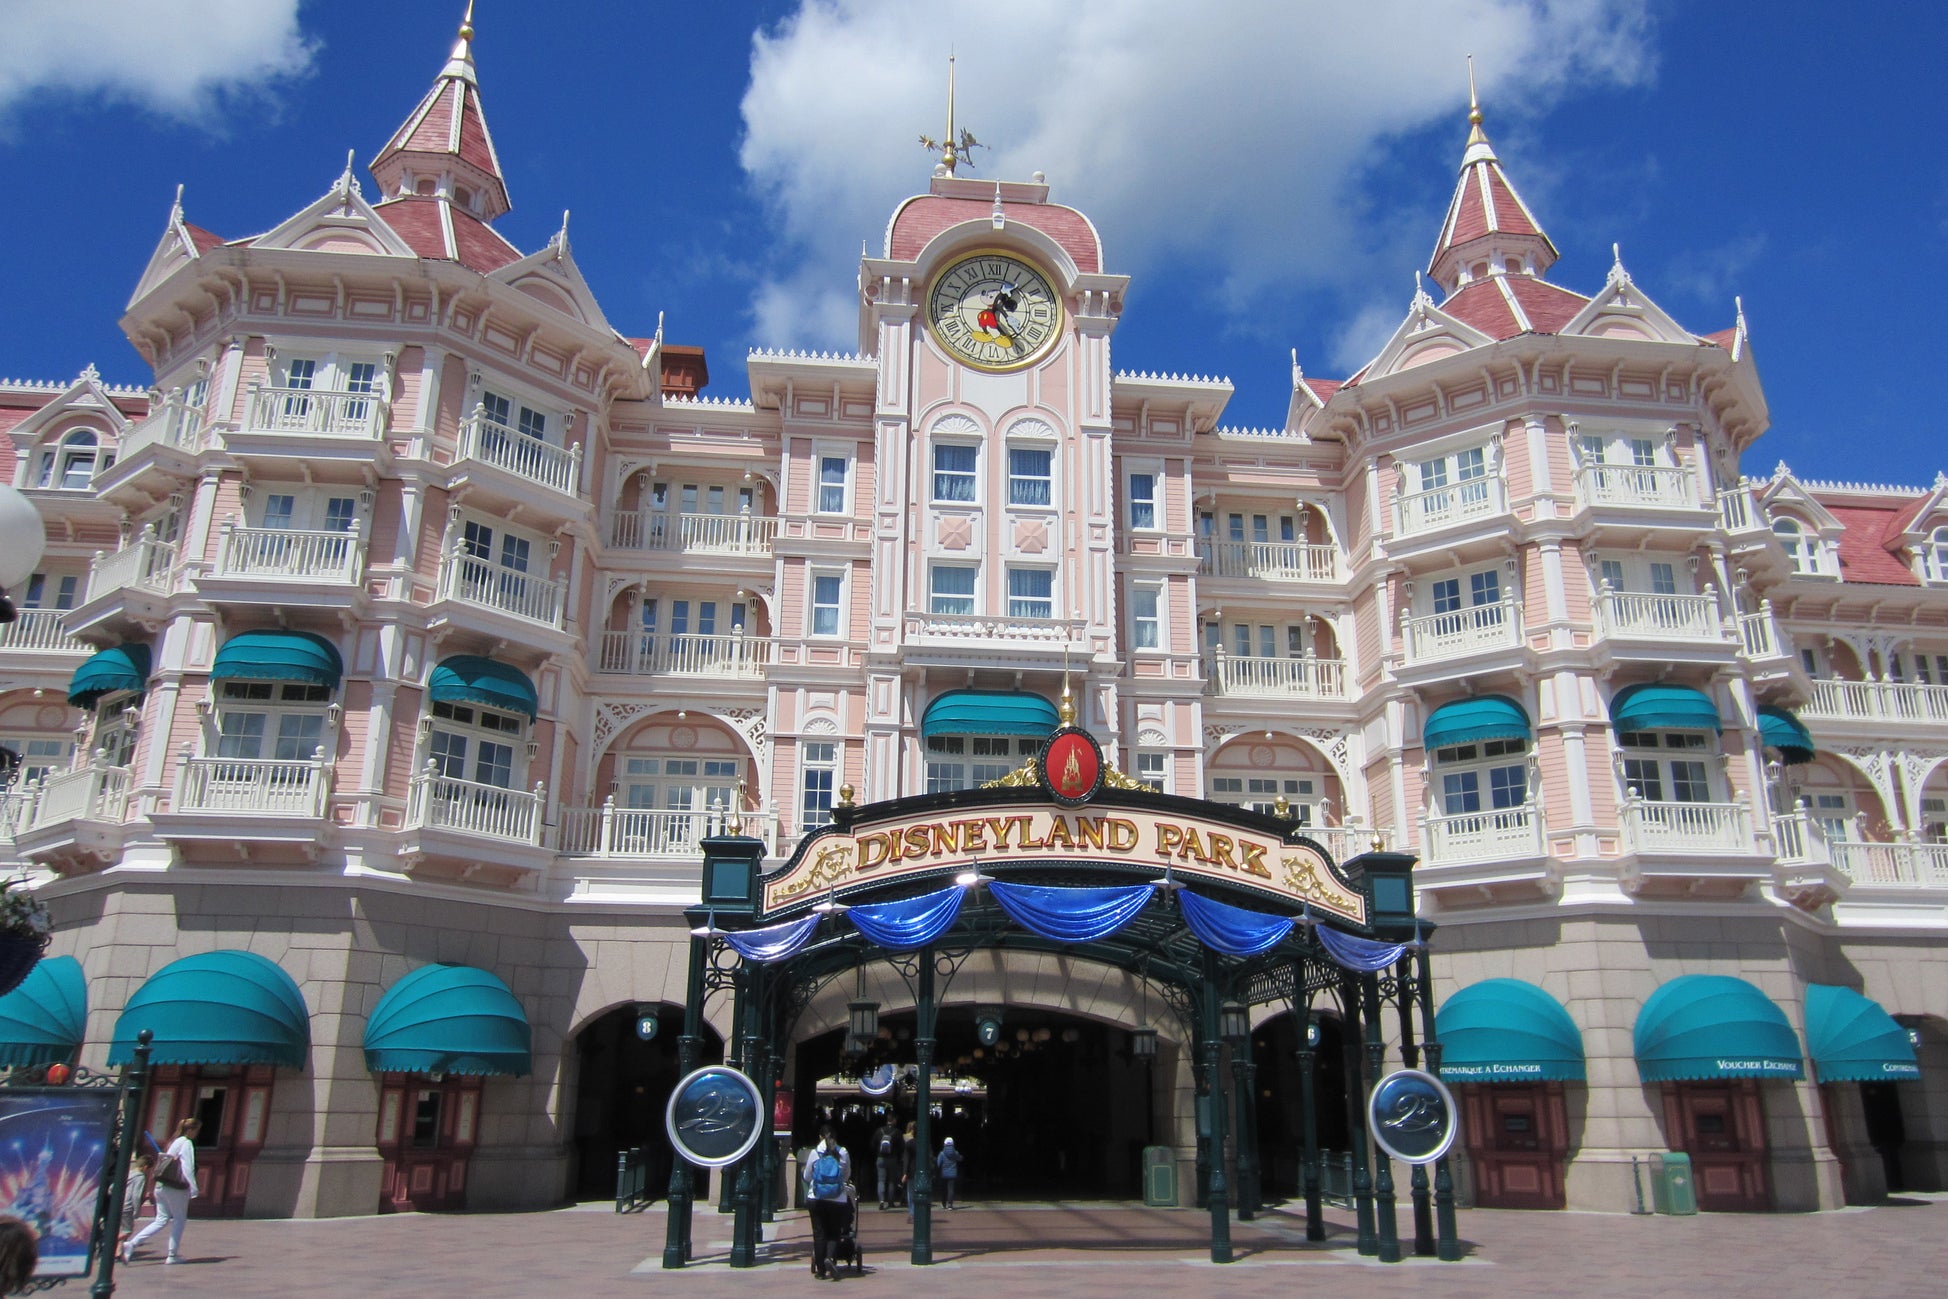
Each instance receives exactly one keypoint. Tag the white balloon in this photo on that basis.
(23, 537)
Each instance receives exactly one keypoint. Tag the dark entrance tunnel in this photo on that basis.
(623, 1085)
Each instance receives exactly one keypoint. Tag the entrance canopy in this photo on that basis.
(1507, 1030)
(1708, 1026)
(1852, 1039)
(226, 1007)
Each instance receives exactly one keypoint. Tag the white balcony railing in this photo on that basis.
(289, 555)
(1799, 839)
(529, 458)
(1496, 834)
(1654, 486)
(1912, 865)
(1266, 678)
(1342, 842)
(470, 580)
(172, 424)
(1275, 561)
(1686, 827)
(1877, 701)
(1436, 636)
(1739, 512)
(1640, 615)
(146, 563)
(40, 631)
(299, 788)
(436, 802)
(96, 792)
(319, 412)
(1472, 498)
(1759, 634)
(611, 831)
(690, 654)
(702, 534)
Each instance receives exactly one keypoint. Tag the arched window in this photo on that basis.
(1800, 548)
(1937, 557)
(69, 465)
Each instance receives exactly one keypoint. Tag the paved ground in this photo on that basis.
(1108, 1250)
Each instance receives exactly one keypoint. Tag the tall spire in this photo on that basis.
(1489, 229)
(443, 149)
(954, 149)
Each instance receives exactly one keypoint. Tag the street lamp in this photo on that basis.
(23, 539)
(1234, 1022)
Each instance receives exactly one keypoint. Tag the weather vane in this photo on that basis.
(953, 149)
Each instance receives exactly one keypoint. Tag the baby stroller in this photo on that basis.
(846, 1248)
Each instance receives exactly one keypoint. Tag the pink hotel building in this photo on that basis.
(415, 624)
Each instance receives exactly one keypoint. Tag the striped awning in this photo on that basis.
(279, 656)
(989, 712)
(109, 671)
(469, 679)
(1652, 706)
(1470, 721)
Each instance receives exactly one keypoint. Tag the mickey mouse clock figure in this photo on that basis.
(993, 311)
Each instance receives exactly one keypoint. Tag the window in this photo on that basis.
(1798, 547)
(1031, 593)
(1494, 767)
(506, 415)
(818, 767)
(1668, 766)
(953, 590)
(1261, 794)
(1937, 555)
(280, 721)
(1029, 476)
(1469, 602)
(833, 472)
(1143, 501)
(40, 757)
(1146, 621)
(969, 761)
(680, 784)
(475, 744)
(1455, 483)
(1929, 669)
(1150, 768)
(69, 465)
(50, 591)
(953, 473)
(1934, 820)
(825, 603)
(1834, 814)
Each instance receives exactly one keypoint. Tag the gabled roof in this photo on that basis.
(1868, 544)
(87, 393)
(446, 135)
(340, 221)
(551, 277)
(1621, 309)
(181, 243)
(1427, 333)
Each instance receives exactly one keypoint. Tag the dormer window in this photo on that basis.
(424, 186)
(1806, 551)
(1934, 557)
(69, 465)
(463, 196)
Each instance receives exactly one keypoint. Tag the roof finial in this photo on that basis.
(1067, 711)
(466, 23)
(560, 241)
(1477, 138)
(460, 62)
(954, 149)
(176, 212)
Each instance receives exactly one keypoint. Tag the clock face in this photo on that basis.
(994, 311)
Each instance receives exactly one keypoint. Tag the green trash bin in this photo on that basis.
(1671, 1190)
(1159, 1177)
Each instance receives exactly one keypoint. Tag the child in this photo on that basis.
(134, 1193)
(949, 1173)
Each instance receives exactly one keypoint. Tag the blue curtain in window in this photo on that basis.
(774, 943)
(1232, 930)
(1073, 915)
(1356, 953)
(910, 922)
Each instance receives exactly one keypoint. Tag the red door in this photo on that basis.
(427, 1129)
(1518, 1134)
(1721, 1125)
(234, 1105)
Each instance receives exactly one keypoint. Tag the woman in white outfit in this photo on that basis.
(172, 1202)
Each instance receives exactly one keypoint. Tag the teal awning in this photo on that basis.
(279, 656)
(44, 1019)
(1470, 721)
(122, 667)
(1780, 730)
(469, 679)
(225, 1007)
(1506, 1030)
(1650, 707)
(448, 1019)
(1852, 1039)
(1714, 1026)
(989, 712)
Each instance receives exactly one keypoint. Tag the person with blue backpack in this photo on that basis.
(827, 1176)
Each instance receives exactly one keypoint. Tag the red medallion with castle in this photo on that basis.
(1072, 766)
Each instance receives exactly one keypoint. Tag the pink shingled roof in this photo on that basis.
(433, 133)
(1323, 389)
(417, 221)
(1723, 338)
(202, 238)
(1508, 209)
(1864, 554)
(481, 248)
(1482, 305)
(926, 216)
(1548, 306)
(474, 147)
(1468, 215)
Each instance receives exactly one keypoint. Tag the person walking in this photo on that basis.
(886, 1161)
(136, 1191)
(826, 1177)
(908, 1148)
(949, 1164)
(175, 1179)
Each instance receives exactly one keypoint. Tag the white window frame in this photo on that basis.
(1261, 792)
(821, 455)
(1934, 555)
(1038, 570)
(939, 476)
(332, 370)
(935, 595)
(1151, 502)
(1152, 595)
(819, 763)
(1046, 480)
(1153, 769)
(955, 762)
(61, 457)
(240, 700)
(1650, 761)
(522, 408)
(1461, 770)
(814, 607)
(474, 724)
(57, 755)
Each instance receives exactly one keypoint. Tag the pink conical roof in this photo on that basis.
(445, 139)
(1486, 216)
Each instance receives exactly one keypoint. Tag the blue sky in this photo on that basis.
(1271, 173)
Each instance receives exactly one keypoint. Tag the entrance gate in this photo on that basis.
(1216, 908)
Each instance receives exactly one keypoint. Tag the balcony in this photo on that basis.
(623, 832)
(1741, 515)
(1636, 486)
(1900, 702)
(1759, 634)
(1499, 834)
(1482, 627)
(251, 788)
(72, 820)
(147, 565)
(523, 458)
(468, 807)
(1807, 874)
(1267, 678)
(1473, 498)
(1635, 615)
(692, 534)
(468, 580)
(689, 654)
(1703, 828)
(960, 639)
(1272, 561)
(289, 555)
(1892, 865)
(41, 631)
(1344, 842)
(315, 413)
(156, 455)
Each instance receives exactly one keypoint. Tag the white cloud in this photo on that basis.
(182, 59)
(1232, 138)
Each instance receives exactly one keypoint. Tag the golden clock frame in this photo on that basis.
(1056, 296)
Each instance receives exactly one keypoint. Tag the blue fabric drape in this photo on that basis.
(774, 943)
(1072, 915)
(1232, 930)
(1356, 953)
(910, 922)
